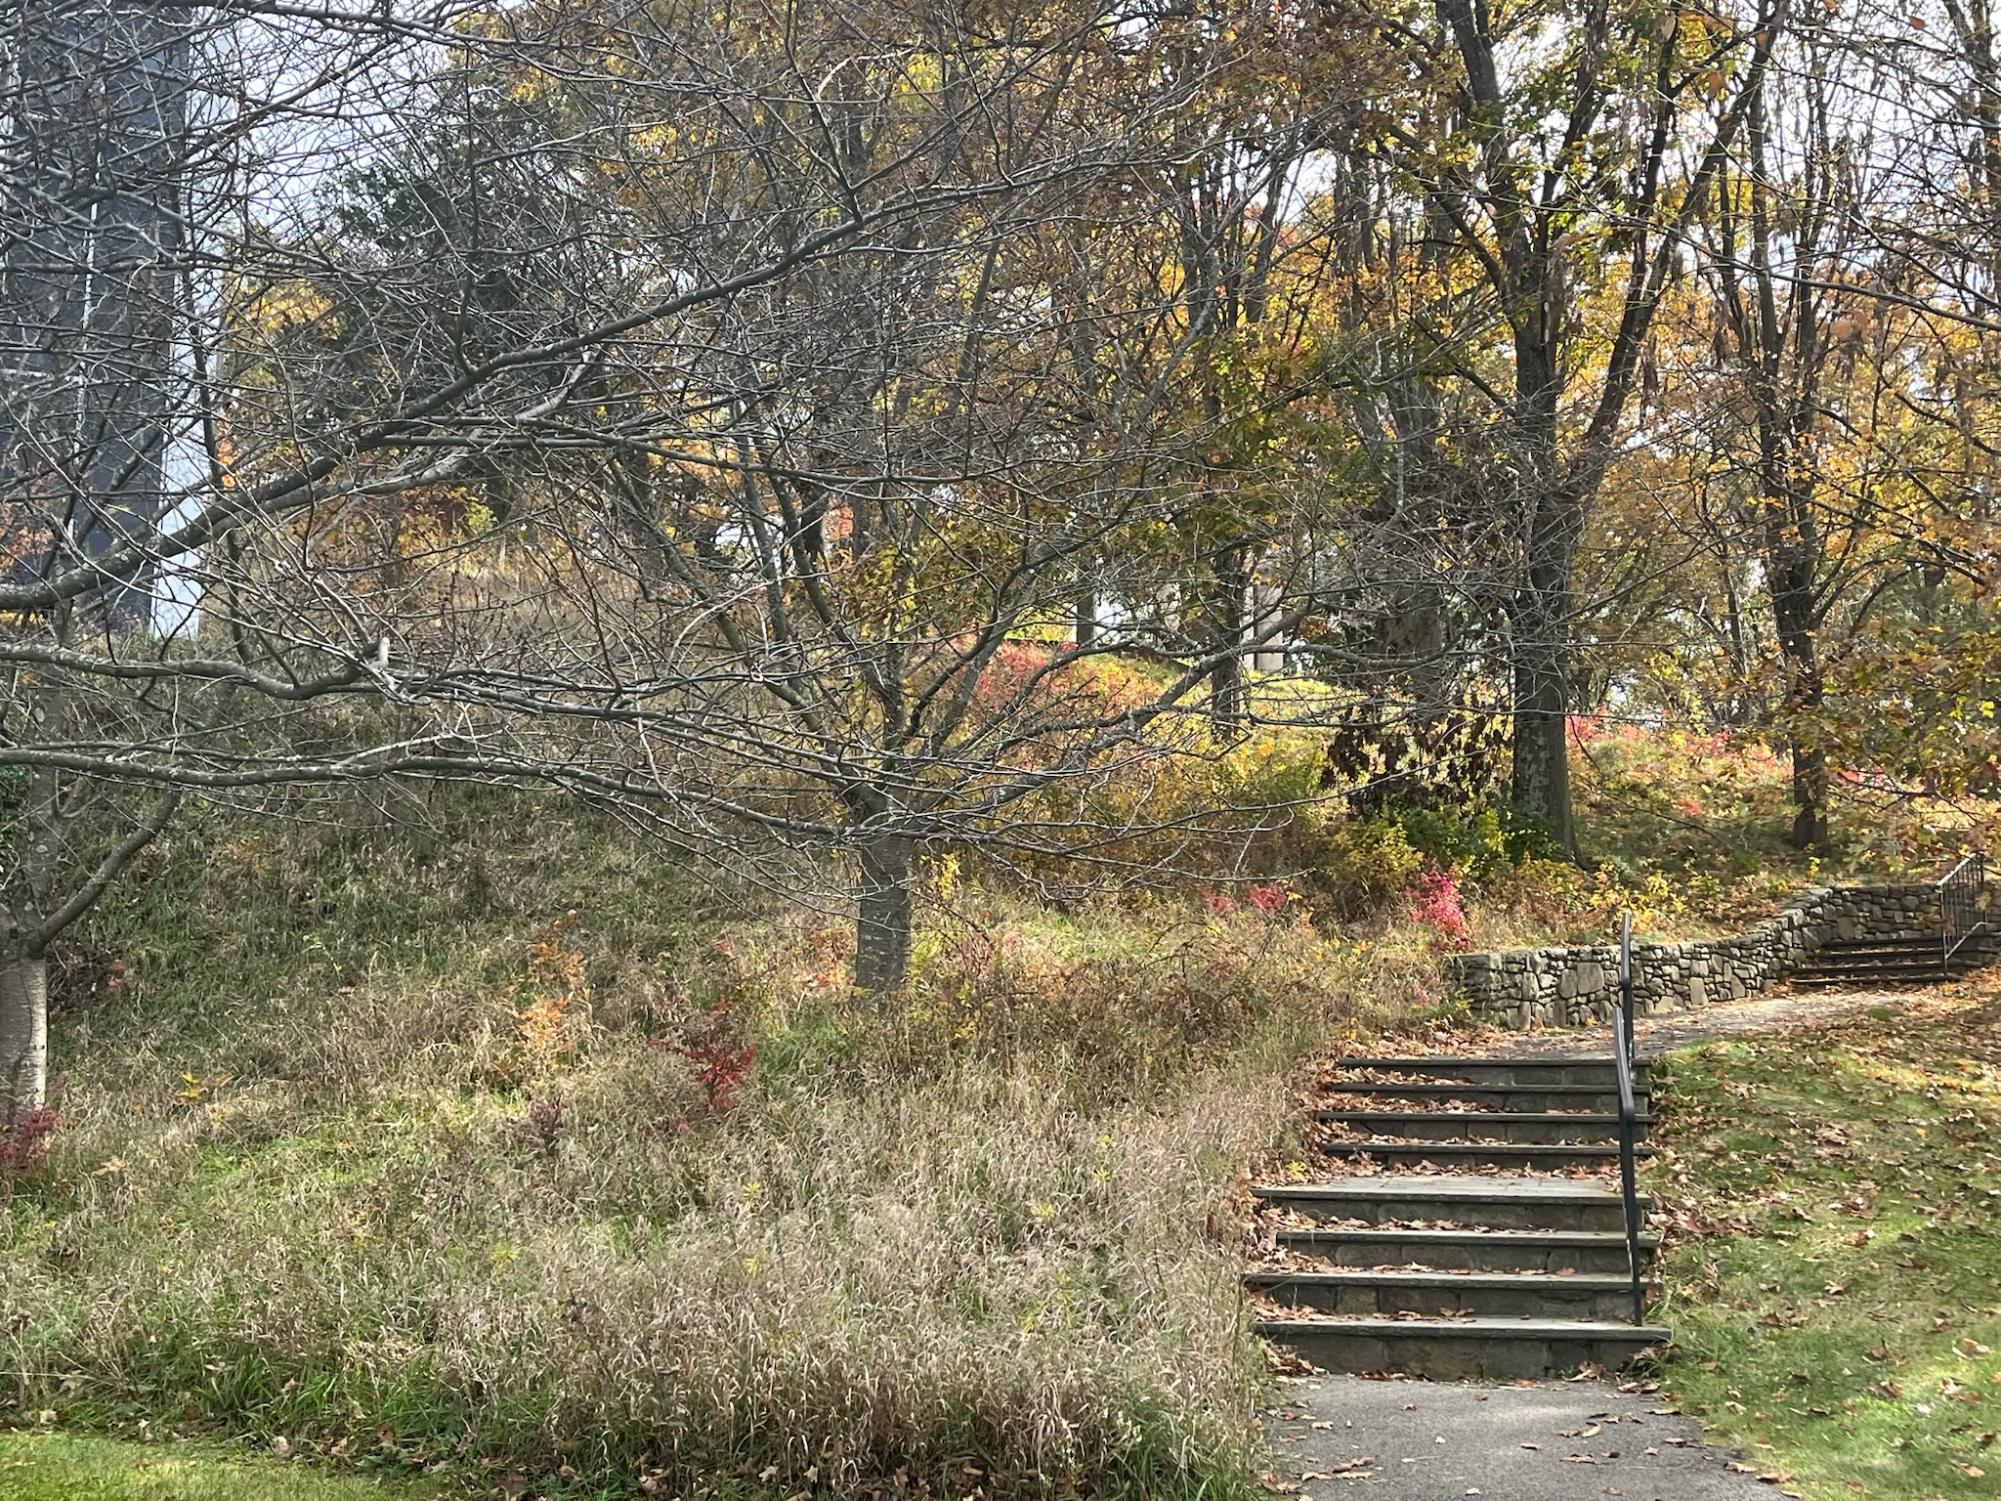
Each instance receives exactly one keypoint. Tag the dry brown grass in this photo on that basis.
(341, 1190)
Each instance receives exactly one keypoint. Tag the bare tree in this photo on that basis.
(679, 407)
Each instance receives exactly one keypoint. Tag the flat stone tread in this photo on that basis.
(1373, 1277)
(1526, 1327)
(1882, 974)
(1467, 1060)
(1925, 948)
(1845, 976)
(1506, 1117)
(1879, 959)
(1464, 1090)
(1570, 1239)
(1467, 1186)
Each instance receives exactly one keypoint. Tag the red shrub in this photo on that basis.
(722, 1061)
(1435, 903)
(1269, 898)
(25, 1146)
(720, 1068)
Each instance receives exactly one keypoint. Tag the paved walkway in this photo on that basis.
(1781, 1011)
(1544, 1441)
(1549, 1441)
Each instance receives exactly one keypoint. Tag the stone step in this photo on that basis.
(1840, 979)
(1582, 1071)
(1868, 956)
(1594, 1297)
(1913, 959)
(1583, 1251)
(1911, 971)
(1459, 1155)
(1922, 941)
(1926, 968)
(1931, 954)
(1525, 1100)
(1462, 1349)
(1483, 1125)
(1496, 1203)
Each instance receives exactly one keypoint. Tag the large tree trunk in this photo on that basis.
(1540, 784)
(1791, 566)
(24, 1035)
(24, 907)
(1809, 797)
(1541, 630)
(1228, 697)
(882, 929)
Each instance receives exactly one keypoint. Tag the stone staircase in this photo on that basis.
(1917, 959)
(1464, 1221)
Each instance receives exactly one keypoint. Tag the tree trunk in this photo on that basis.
(1227, 697)
(1809, 797)
(882, 929)
(1792, 608)
(1086, 621)
(24, 995)
(1540, 788)
(24, 1034)
(1540, 785)
(1553, 520)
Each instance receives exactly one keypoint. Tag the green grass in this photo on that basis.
(80, 1467)
(1835, 1278)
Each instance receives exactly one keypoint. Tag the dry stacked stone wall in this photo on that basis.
(1568, 987)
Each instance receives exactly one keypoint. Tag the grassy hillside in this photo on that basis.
(504, 1147)
(515, 1149)
(1837, 1303)
(1714, 807)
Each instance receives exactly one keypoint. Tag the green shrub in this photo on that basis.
(1365, 861)
(1484, 845)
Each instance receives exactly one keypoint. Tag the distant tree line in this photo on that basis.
(851, 427)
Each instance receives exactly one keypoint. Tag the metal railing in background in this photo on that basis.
(1629, 1116)
(1960, 914)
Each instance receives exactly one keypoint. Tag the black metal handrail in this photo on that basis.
(1959, 913)
(1623, 1057)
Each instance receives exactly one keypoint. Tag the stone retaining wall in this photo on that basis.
(1569, 987)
